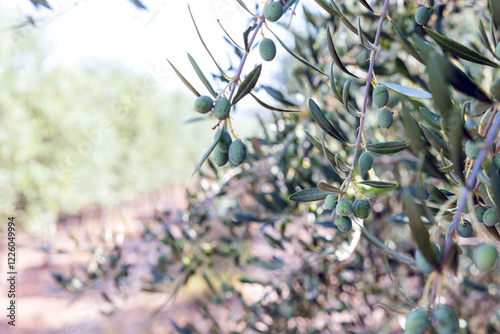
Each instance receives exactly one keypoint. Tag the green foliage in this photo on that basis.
(471, 150)
(267, 49)
(485, 257)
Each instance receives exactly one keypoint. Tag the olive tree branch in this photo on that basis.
(243, 60)
(469, 187)
(383, 15)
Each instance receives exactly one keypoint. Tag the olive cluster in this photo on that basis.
(380, 97)
(361, 209)
(226, 149)
(444, 320)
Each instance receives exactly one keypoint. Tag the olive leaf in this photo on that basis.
(316, 143)
(364, 41)
(245, 35)
(328, 8)
(345, 99)
(323, 122)
(366, 5)
(229, 36)
(202, 76)
(459, 50)
(328, 189)
(495, 12)
(495, 185)
(387, 147)
(277, 95)
(451, 262)
(439, 88)
(307, 195)
(204, 45)
(205, 156)
(342, 17)
(419, 231)
(265, 105)
(457, 152)
(296, 56)
(485, 38)
(431, 118)
(408, 91)
(436, 141)
(333, 86)
(247, 85)
(406, 44)
(335, 56)
(436, 193)
(379, 184)
(191, 88)
(242, 4)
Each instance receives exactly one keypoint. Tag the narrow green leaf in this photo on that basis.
(247, 85)
(328, 8)
(245, 35)
(436, 141)
(344, 19)
(431, 118)
(202, 76)
(495, 12)
(318, 145)
(379, 184)
(387, 147)
(229, 36)
(265, 105)
(485, 38)
(419, 231)
(495, 185)
(277, 95)
(335, 56)
(456, 137)
(492, 230)
(207, 154)
(367, 6)
(492, 31)
(408, 91)
(436, 193)
(307, 195)
(242, 4)
(204, 45)
(333, 86)
(191, 88)
(459, 50)
(345, 99)
(364, 41)
(406, 44)
(323, 122)
(296, 56)
(452, 259)
(328, 189)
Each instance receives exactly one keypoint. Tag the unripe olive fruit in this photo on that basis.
(267, 49)
(220, 158)
(422, 262)
(344, 208)
(380, 96)
(203, 104)
(479, 212)
(331, 202)
(385, 118)
(495, 89)
(222, 107)
(417, 322)
(490, 217)
(224, 142)
(362, 208)
(471, 150)
(273, 11)
(496, 160)
(464, 229)
(445, 319)
(422, 15)
(365, 161)
(485, 256)
(343, 223)
(237, 152)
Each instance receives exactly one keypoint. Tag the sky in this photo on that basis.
(143, 39)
